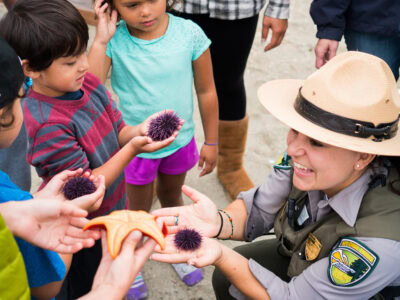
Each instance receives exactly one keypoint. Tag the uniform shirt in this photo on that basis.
(74, 134)
(263, 202)
(153, 75)
(235, 10)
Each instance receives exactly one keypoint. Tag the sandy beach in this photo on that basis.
(266, 139)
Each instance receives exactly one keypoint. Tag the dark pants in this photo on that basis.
(265, 253)
(231, 41)
(385, 47)
(80, 277)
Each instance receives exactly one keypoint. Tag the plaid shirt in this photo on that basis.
(235, 9)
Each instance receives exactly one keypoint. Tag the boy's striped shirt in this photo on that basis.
(71, 134)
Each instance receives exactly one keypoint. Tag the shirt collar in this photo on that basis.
(347, 202)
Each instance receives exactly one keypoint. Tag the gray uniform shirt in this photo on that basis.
(262, 204)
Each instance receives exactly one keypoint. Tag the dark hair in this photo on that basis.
(170, 5)
(11, 80)
(42, 31)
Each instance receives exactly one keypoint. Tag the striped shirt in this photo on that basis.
(235, 9)
(71, 134)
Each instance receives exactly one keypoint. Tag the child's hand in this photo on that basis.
(143, 144)
(144, 126)
(208, 159)
(49, 224)
(53, 189)
(92, 202)
(107, 21)
(129, 262)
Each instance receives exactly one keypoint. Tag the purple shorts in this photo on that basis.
(142, 171)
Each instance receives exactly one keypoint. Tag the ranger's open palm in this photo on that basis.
(202, 215)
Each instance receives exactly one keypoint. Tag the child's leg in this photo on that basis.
(172, 173)
(169, 189)
(139, 176)
(140, 197)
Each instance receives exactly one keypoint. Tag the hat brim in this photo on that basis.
(278, 97)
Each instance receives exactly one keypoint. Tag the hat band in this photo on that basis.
(344, 125)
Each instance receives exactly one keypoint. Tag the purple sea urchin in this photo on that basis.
(187, 239)
(163, 126)
(77, 187)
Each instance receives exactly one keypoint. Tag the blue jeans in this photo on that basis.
(385, 47)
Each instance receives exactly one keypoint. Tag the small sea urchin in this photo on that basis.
(77, 187)
(187, 239)
(163, 126)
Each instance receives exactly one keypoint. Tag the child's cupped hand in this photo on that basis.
(106, 23)
(92, 202)
(144, 144)
(208, 159)
(53, 189)
(145, 125)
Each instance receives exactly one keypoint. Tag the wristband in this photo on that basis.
(230, 220)
(222, 224)
(207, 144)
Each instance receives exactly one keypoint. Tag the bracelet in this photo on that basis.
(230, 220)
(222, 224)
(207, 144)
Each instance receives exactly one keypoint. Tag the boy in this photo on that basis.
(71, 120)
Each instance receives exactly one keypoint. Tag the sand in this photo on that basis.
(266, 139)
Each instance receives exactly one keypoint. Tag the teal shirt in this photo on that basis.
(153, 75)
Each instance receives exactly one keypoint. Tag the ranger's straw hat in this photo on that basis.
(352, 102)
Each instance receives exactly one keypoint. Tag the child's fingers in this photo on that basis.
(71, 210)
(114, 16)
(200, 164)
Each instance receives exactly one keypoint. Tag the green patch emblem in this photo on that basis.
(351, 262)
(283, 162)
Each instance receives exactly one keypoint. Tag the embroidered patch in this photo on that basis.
(313, 247)
(283, 162)
(351, 262)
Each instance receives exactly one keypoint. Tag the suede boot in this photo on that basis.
(232, 142)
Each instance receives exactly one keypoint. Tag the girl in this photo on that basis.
(155, 59)
(333, 200)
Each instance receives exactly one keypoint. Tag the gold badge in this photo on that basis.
(313, 247)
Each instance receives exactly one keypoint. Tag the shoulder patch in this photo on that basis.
(350, 262)
(283, 162)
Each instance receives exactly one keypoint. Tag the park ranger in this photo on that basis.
(333, 199)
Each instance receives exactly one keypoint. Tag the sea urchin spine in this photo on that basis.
(77, 187)
(187, 239)
(163, 126)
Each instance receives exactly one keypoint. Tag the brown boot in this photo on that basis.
(232, 142)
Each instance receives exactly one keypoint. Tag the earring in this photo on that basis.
(357, 166)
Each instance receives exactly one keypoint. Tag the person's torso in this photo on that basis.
(377, 17)
(91, 124)
(151, 76)
(378, 216)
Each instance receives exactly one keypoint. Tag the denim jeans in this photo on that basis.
(385, 47)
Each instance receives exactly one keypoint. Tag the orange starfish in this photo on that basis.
(121, 222)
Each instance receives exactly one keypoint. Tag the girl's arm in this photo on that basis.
(208, 105)
(99, 62)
